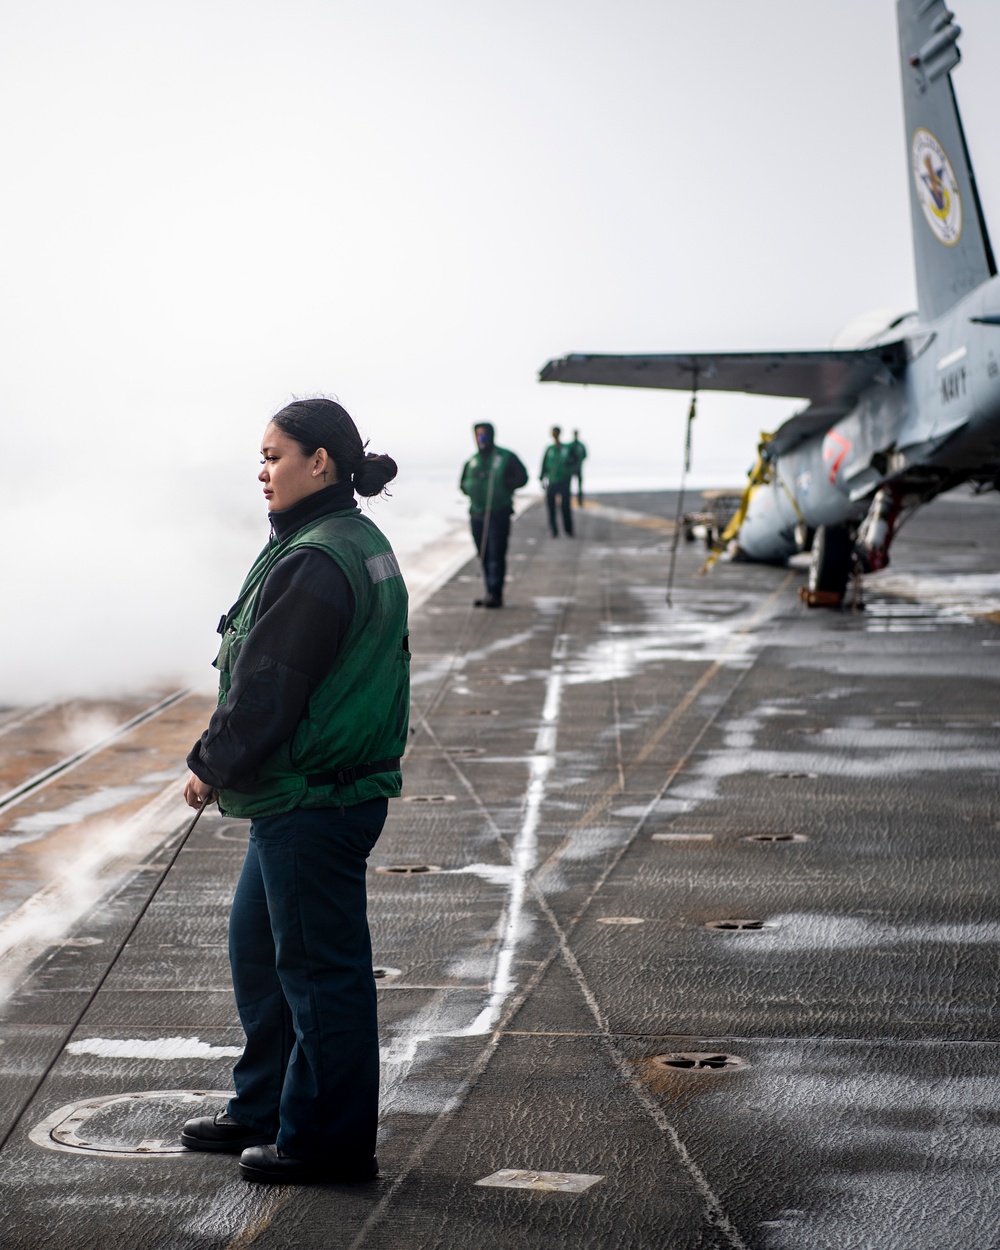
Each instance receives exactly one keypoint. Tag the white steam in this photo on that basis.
(109, 851)
(124, 579)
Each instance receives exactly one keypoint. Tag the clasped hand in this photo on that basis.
(197, 792)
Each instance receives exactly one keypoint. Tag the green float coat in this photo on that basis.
(559, 464)
(359, 713)
(483, 482)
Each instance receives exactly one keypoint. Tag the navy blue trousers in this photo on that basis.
(301, 959)
(494, 553)
(561, 492)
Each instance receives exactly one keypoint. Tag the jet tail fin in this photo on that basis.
(950, 242)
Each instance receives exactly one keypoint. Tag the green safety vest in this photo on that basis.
(359, 713)
(559, 464)
(476, 482)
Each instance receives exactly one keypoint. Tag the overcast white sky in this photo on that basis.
(214, 205)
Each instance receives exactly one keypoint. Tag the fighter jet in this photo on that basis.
(910, 411)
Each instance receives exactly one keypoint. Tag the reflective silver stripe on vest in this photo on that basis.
(381, 567)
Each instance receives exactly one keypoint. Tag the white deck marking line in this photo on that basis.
(524, 852)
(436, 1019)
(151, 1048)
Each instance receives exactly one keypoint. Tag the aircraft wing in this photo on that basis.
(831, 380)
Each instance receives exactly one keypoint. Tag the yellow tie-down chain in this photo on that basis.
(763, 473)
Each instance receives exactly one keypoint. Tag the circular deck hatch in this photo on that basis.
(128, 1125)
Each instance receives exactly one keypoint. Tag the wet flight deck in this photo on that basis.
(686, 928)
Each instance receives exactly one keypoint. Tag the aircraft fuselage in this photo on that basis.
(925, 428)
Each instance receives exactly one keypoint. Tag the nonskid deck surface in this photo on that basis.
(685, 930)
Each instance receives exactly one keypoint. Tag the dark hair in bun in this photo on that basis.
(315, 423)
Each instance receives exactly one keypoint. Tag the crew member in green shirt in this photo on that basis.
(558, 467)
(490, 479)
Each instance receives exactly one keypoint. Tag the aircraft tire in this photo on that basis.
(830, 566)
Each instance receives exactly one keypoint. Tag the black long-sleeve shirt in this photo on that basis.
(306, 605)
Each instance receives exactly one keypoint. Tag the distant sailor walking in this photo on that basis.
(490, 479)
(558, 466)
(306, 743)
(579, 453)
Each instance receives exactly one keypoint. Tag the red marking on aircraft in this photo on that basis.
(835, 447)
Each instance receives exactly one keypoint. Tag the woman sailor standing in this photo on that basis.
(306, 742)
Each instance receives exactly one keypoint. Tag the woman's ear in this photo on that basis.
(322, 466)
